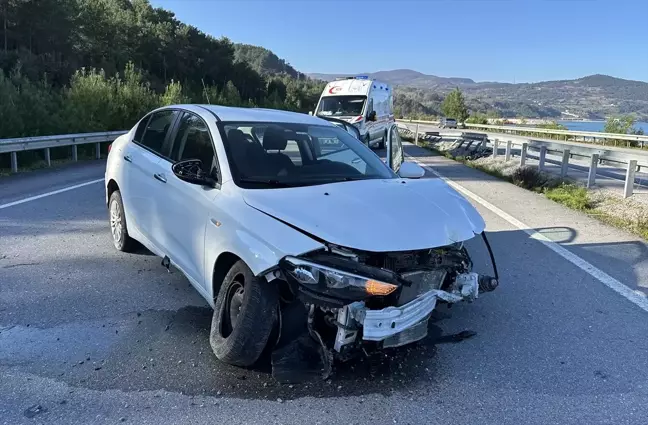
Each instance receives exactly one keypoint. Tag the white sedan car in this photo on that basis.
(265, 210)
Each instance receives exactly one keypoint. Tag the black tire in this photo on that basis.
(122, 241)
(366, 140)
(381, 145)
(245, 313)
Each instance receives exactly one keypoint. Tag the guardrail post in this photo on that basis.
(591, 176)
(74, 153)
(564, 166)
(509, 146)
(495, 147)
(543, 155)
(14, 162)
(97, 150)
(416, 136)
(523, 154)
(48, 161)
(630, 177)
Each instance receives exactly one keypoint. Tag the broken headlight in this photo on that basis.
(317, 276)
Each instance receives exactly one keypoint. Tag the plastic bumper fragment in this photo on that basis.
(388, 322)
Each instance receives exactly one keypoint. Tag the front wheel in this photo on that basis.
(366, 140)
(381, 145)
(245, 314)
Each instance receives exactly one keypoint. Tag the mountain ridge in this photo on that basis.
(594, 96)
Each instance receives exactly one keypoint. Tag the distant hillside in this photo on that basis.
(263, 61)
(403, 77)
(594, 96)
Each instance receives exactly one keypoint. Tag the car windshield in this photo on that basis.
(339, 106)
(268, 155)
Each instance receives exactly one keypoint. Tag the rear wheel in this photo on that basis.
(118, 228)
(245, 314)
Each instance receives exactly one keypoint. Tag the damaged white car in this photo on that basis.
(292, 229)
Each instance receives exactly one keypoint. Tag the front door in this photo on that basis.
(187, 206)
(395, 156)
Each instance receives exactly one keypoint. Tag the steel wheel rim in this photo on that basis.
(116, 225)
(233, 305)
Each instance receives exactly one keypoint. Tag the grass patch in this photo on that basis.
(572, 196)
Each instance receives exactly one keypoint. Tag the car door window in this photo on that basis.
(193, 141)
(156, 130)
(396, 149)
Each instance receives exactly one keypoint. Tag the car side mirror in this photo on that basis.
(191, 171)
(371, 116)
(411, 170)
(310, 112)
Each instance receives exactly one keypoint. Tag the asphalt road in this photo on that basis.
(94, 336)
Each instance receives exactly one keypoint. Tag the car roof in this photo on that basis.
(231, 113)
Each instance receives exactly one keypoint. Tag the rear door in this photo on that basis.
(144, 154)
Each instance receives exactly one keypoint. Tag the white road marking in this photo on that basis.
(43, 195)
(636, 297)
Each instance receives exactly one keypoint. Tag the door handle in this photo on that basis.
(128, 158)
(160, 177)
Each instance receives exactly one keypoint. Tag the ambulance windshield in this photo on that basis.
(341, 106)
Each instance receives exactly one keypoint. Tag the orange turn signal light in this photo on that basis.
(374, 287)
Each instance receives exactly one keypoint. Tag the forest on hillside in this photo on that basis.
(92, 65)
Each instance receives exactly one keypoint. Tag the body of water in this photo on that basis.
(597, 125)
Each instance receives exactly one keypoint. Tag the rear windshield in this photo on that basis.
(340, 106)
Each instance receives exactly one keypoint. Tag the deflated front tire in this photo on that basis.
(245, 314)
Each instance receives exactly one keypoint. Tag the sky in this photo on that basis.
(486, 40)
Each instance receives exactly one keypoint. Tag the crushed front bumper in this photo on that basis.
(397, 326)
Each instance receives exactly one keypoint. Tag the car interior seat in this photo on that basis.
(274, 139)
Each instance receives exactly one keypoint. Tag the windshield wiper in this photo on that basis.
(268, 182)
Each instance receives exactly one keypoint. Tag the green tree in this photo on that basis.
(621, 125)
(173, 95)
(230, 95)
(454, 106)
(477, 118)
(552, 125)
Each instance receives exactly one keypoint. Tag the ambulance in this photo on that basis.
(367, 104)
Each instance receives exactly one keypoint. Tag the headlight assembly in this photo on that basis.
(319, 276)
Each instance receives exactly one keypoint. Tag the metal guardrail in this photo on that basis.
(630, 159)
(642, 140)
(45, 143)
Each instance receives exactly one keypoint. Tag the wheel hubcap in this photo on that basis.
(116, 222)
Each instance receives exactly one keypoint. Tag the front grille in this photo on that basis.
(401, 261)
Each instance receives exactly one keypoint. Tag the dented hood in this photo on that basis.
(374, 215)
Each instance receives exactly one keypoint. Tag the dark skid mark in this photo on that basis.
(11, 266)
(34, 410)
(454, 338)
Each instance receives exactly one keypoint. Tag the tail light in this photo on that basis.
(109, 146)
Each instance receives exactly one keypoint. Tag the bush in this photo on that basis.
(531, 178)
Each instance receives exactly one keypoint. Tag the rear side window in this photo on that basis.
(140, 129)
(156, 130)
